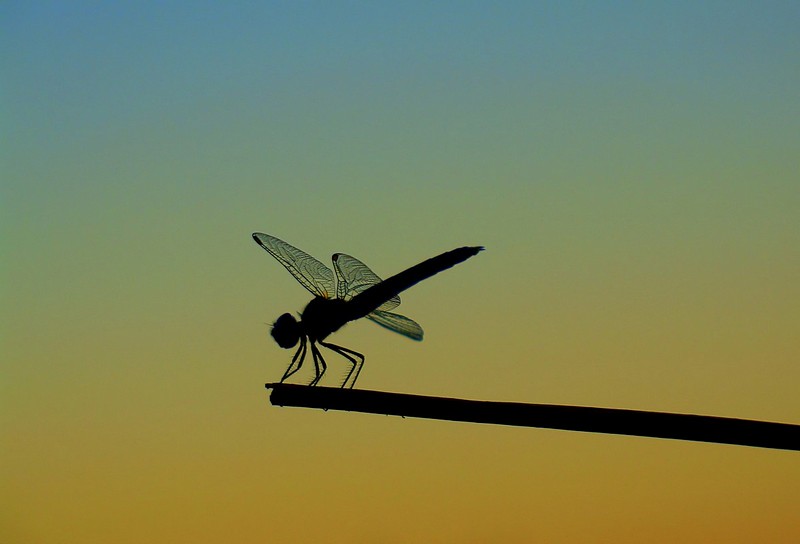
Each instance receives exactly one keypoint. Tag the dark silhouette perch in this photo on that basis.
(720, 430)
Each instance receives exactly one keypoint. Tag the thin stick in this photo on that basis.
(720, 430)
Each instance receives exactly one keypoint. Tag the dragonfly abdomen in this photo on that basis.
(369, 300)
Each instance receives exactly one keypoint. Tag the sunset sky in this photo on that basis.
(633, 170)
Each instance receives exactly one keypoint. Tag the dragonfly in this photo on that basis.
(349, 292)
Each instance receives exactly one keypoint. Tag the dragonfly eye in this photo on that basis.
(286, 331)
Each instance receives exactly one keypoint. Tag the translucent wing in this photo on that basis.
(353, 277)
(312, 274)
(397, 323)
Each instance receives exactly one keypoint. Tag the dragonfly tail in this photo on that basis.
(367, 301)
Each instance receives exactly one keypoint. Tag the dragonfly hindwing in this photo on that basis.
(354, 277)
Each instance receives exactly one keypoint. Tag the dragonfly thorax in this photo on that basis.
(323, 316)
(286, 331)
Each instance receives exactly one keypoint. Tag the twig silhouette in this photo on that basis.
(720, 430)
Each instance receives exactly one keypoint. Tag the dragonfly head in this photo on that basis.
(286, 331)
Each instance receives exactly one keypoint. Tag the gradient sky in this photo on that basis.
(633, 170)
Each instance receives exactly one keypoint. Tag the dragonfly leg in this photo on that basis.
(356, 358)
(319, 364)
(299, 355)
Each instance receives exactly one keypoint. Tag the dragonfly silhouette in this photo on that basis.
(348, 292)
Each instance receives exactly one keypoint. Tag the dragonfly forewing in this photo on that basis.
(312, 274)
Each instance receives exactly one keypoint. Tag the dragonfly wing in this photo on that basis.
(397, 323)
(312, 274)
(353, 277)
